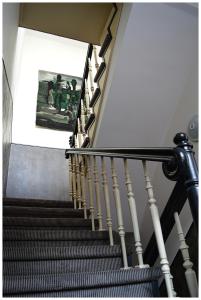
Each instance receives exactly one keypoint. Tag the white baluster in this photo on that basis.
(91, 77)
(74, 181)
(91, 199)
(119, 213)
(97, 192)
(78, 181)
(79, 134)
(107, 201)
(83, 187)
(83, 118)
(189, 273)
(76, 141)
(158, 233)
(95, 57)
(134, 218)
(70, 179)
(87, 98)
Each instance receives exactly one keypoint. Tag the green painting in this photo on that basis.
(57, 100)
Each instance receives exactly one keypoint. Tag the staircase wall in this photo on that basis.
(10, 25)
(37, 173)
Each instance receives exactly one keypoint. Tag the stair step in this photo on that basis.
(44, 253)
(68, 284)
(53, 235)
(105, 45)
(60, 244)
(48, 222)
(100, 71)
(37, 202)
(42, 211)
(61, 266)
(89, 122)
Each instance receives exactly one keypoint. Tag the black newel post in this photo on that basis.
(188, 171)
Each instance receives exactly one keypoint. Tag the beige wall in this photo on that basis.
(80, 21)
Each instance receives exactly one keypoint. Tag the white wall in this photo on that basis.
(10, 26)
(39, 51)
(152, 90)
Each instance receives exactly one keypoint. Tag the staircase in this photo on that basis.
(49, 250)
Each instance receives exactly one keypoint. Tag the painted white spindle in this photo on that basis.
(78, 181)
(158, 233)
(83, 118)
(95, 57)
(189, 273)
(74, 181)
(79, 134)
(70, 179)
(134, 217)
(76, 141)
(91, 76)
(87, 98)
(83, 187)
(119, 213)
(107, 200)
(97, 192)
(91, 198)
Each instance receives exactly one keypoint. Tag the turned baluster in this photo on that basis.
(107, 200)
(189, 273)
(83, 119)
(76, 141)
(87, 98)
(91, 199)
(95, 57)
(74, 181)
(78, 182)
(70, 179)
(79, 133)
(119, 213)
(97, 192)
(134, 218)
(91, 76)
(158, 233)
(83, 187)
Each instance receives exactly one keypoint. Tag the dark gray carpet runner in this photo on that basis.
(54, 253)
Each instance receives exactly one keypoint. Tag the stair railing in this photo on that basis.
(178, 165)
(93, 83)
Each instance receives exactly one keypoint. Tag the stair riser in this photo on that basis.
(37, 202)
(13, 244)
(47, 222)
(60, 266)
(144, 290)
(42, 212)
(73, 252)
(50, 235)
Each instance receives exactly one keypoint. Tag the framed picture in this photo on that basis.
(57, 100)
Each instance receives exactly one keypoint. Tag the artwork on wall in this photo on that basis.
(57, 100)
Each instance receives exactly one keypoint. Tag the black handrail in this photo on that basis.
(178, 164)
(85, 75)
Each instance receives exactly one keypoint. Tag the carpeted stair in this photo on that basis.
(49, 250)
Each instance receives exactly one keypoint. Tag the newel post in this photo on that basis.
(183, 168)
(189, 172)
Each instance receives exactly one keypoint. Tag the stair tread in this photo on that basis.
(54, 243)
(60, 266)
(51, 282)
(53, 235)
(73, 252)
(37, 202)
(45, 222)
(42, 211)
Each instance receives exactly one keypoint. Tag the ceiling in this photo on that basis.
(80, 21)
